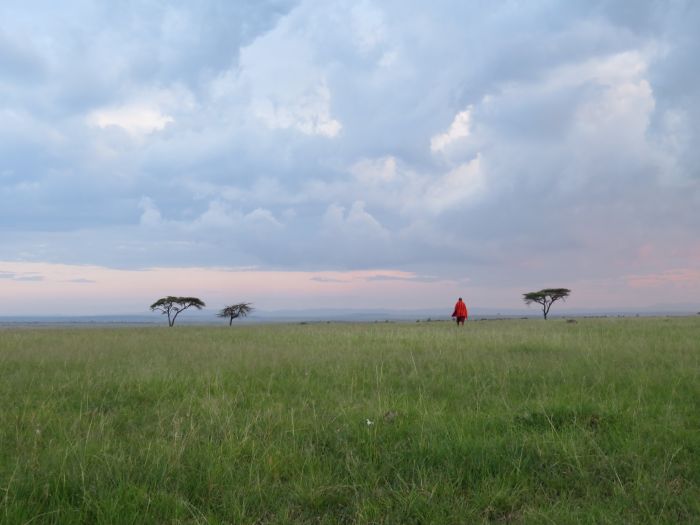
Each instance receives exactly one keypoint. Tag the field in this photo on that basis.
(501, 421)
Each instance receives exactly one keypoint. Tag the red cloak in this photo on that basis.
(460, 310)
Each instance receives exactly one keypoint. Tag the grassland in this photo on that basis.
(508, 421)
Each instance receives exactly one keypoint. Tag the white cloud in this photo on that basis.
(150, 214)
(356, 222)
(395, 188)
(286, 87)
(375, 171)
(459, 187)
(309, 113)
(262, 217)
(459, 129)
(217, 215)
(134, 119)
(624, 101)
(389, 58)
(368, 26)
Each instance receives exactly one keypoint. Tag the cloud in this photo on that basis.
(150, 215)
(683, 277)
(21, 276)
(356, 220)
(459, 129)
(375, 171)
(328, 280)
(133, 119)
(309, 113)
(501, 143)
(20, 60)
(131, 291)
(406, 277)
(263, 218)
(457, 187)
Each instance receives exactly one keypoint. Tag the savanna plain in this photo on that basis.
(519, 421)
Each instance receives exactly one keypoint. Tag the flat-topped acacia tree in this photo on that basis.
(235, 311)
(546, 298)
(172, 306)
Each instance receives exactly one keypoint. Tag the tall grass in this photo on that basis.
(508, 421)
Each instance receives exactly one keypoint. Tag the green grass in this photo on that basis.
(508, 421)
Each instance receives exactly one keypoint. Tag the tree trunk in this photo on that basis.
(546, 307)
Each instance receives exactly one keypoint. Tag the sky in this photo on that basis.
(359, 154)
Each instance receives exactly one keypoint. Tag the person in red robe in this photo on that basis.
(460, 312)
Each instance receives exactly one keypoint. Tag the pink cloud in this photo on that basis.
(73, 289)
(677, 277)
(55, 289)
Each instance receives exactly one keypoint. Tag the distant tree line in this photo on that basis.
(172, 306)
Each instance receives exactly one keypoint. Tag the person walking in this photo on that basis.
(460, 312)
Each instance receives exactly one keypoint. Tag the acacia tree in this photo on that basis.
(546, 298)
(172, 306)
(235, 311)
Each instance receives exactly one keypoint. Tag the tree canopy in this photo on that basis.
(172, 306)
(235, 311)
(546, 297)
